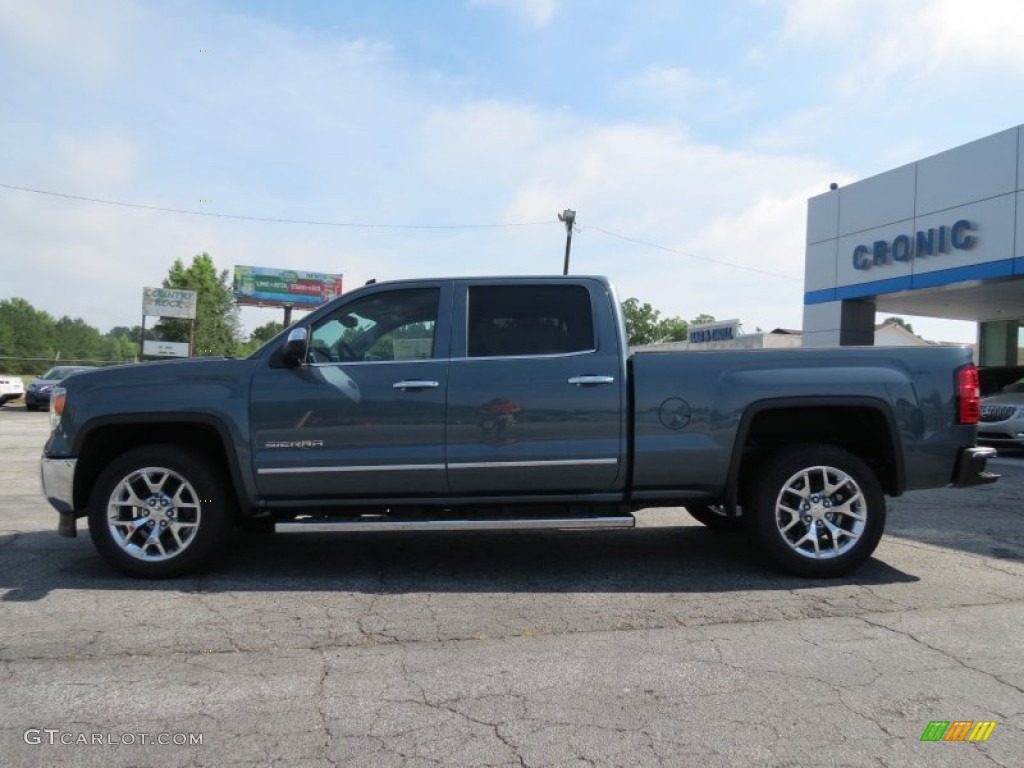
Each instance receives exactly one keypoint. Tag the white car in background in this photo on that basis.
(11, 388)
(1002, 418)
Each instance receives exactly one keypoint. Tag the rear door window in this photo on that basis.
(529, 320)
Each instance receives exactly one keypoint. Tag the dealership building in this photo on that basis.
(942, 237)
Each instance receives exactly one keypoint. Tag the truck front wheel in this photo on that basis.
(158, 512)
(817, 510)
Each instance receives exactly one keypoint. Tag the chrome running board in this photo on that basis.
(321, 525)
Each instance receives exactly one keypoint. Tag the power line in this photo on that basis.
(271, 219)
(688, 255)
(364, 225)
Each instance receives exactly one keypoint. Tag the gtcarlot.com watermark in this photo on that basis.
(57, 737)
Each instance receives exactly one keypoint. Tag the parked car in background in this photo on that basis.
(1002, 417)
(37, 395)
(11, 388)
(994, 379)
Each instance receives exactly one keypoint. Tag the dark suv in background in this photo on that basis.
(37, 395)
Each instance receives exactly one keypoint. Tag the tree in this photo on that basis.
(641, 321)
(900, 322)
(673, 329)
(31, 340)
(644, 324)
(259, 337)
(124, 332)
(216, 323)
(27, 337)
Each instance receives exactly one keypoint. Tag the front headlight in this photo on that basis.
(57, 400)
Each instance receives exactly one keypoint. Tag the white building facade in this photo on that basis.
(941, 237)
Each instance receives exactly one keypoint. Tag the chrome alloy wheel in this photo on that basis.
(821, 512)
(153, 514)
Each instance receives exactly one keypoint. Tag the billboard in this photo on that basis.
(169, 302)
(261, 286)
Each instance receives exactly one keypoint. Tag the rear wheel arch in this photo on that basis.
(863, 426)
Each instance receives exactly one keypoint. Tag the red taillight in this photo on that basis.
(968, 395)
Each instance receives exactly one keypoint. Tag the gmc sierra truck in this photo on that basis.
(500, 404)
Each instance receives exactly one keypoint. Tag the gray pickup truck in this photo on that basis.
(501, 404)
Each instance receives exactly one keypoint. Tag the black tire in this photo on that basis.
(31, 407)
(715, 516)
(834, 489)
(166, 490)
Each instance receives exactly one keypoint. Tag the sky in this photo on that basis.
(442, 138)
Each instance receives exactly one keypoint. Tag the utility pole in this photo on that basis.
(569, 217)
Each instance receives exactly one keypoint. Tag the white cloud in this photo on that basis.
(98, 162)
(665, 83)
(882, 40)
(678, 91)
(537, 12)
(81, 40)
(292, 124)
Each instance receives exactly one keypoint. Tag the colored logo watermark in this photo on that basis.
(958, 730)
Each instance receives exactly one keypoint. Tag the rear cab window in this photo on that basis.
(528, 320)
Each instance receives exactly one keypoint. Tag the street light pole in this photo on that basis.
(569, 217)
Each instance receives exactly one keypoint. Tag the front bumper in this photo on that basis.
(970, 467)
(58, 479)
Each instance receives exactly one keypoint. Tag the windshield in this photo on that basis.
(61, 372)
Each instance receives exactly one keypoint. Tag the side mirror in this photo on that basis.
(293, 350)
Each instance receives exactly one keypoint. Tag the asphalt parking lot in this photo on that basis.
(670, 645)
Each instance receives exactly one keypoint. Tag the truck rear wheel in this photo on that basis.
(817, 510)
(159, 512)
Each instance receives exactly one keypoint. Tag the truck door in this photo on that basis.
(364, 415)
(536, 390)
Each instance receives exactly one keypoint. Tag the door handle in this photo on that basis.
(415, 384)
(581, 381)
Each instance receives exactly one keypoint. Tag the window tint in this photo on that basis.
(529, 320)
(394, 325)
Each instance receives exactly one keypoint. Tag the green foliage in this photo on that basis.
(673, 329)
(641, 321)
(216, 323)
(644, 324)
(31, 341)
(900, 322)
(259, 337)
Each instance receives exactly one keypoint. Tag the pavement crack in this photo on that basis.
(943, 653)
(321, 707)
